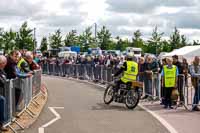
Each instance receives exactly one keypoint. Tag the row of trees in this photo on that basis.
(22, 39)
(105, 41)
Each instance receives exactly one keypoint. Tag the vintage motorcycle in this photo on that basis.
(128, 93)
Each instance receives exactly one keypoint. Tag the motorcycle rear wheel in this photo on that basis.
(132, 98)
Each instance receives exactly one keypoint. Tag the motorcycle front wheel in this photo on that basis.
(108, 94)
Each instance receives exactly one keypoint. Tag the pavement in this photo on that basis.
(84, 112)
(182, 120)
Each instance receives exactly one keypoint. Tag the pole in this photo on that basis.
(35, 39)
(95, 30)
(95, 26)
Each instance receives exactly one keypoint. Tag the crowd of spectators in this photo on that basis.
(18, 64)
(150, 69)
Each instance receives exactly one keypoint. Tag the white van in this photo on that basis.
(136, 51)
(67, 54)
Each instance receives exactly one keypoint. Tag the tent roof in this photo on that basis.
(187, 50)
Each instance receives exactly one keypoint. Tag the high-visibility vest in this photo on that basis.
(170, 76)
(131, 73)
(19, 63)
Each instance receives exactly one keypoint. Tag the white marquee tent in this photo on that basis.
(187, 52)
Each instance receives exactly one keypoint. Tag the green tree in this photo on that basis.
(104, 38)
(71, 38)
(155, 42)
(44, 44)
(137, 40)
(175, 39)
(1, 38)
(8, 39)
(55, 40)
(24, 38)
(86, 40)
(196, 42)
(166, 46)
(121, 44)
(183, 41)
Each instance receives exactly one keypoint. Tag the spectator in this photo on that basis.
(156, 76)
(24, 63)
(36, 58)
(10, 68)
(3, 62)
(121, 62)
(180, 78)
(185, 70)
(169, 79)
(164, 62)
(148, 77)
(141, 69)
(195, 73)
(177, 63)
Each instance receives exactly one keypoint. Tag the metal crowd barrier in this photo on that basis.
(192, 92)
(19, 93)
(152, 85)
(99, 73)
(103, 74)
(7, 93)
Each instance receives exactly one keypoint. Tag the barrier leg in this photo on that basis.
(12, 128)
(35, 103)
(19, 125)
(28, 111)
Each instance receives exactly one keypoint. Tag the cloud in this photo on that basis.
(182, 20)
(19, 8)
(145, 6)
(72, 5)
(130, 6)
(121, 17)
(60, 20)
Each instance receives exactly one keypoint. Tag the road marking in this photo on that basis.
(52, 109)
(160, 119)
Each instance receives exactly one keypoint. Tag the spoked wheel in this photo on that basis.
(132, 98)
(108, 94)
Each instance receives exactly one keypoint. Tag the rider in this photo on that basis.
(129, 70)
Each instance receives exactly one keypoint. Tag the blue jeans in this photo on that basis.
(196, 98)
(156, 84)
(2, 109)
(148, 86)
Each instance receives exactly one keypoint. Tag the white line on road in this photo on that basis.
(162, 121)
(52, 109)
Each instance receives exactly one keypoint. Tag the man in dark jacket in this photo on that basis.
(3, 62)
(150, 67)
(180, 78)
(11, 65)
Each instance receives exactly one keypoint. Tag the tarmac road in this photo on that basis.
(85, 112)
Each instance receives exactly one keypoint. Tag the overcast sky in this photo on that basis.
(121, 17)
